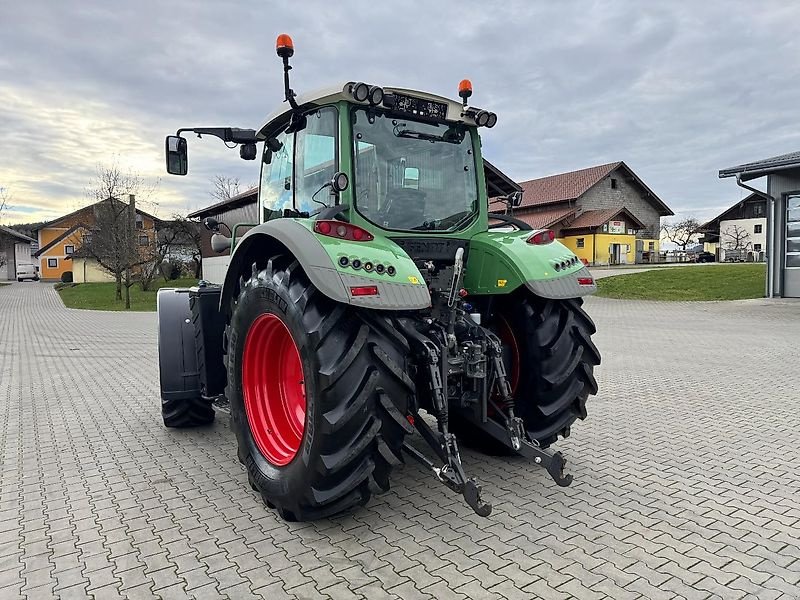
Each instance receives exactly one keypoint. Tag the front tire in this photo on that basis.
(344, 424)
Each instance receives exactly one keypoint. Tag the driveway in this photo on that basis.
(686, 477)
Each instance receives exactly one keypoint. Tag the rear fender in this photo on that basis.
(177, 352)
(501, 262)
(319, 256)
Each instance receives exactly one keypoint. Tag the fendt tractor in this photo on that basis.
(374, 309)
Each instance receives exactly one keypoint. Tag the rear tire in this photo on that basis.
(554, 375)
(356, 395)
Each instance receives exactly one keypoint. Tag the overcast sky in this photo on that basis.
(677, 90)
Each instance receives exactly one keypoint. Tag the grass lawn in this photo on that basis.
(712, 282)
(100, 296)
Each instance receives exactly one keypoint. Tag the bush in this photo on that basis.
(66, 277)
(172, 269)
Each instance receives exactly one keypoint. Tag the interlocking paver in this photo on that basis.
(685, 477)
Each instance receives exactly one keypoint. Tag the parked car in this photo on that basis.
(27, 272)
(706, 257)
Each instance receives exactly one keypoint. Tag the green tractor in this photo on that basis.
(374, 308)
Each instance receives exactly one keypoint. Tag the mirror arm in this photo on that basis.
(233, 135)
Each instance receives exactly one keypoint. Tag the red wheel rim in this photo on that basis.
(506, 335)
(274, 389)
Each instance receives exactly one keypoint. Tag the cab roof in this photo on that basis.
(341, 92)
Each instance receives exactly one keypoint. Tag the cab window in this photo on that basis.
(294, 176)
(315, 159)
(275, 192)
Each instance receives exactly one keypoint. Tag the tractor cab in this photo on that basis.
(405, 162)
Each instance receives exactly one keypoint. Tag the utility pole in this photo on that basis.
(130, 247)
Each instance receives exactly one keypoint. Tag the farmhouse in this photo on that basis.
(60, 238)
(605, 214)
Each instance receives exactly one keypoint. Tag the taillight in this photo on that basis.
(343, 231)
(542, 237)
(364, 290)
(585, 281)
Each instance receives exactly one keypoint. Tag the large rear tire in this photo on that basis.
(318, 393)
(550, 361)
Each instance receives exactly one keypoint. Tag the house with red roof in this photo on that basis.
(605, 214)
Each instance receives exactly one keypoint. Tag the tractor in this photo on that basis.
(374, 310)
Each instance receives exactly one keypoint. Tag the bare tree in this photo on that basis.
(112, 239)
(736, 237)
(188, 236)
(225, 187)
(682, 232)
(5, 201)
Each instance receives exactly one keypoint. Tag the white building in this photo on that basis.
(740, 232)
(15, 250)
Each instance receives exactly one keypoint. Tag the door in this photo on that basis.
(791, 272)
(615, 254)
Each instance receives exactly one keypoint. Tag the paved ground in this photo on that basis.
(686, 477)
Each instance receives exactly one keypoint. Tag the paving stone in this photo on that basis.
(685, 477)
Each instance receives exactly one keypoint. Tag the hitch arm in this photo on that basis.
(554, 463)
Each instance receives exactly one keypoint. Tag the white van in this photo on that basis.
(27, 272)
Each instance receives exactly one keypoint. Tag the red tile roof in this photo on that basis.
(542, 219)
(564, 186)
(591, 219)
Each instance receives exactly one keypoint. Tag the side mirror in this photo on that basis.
(220, 243)
(516, 199)
(340, 182)
(211, 224)
(177, 155)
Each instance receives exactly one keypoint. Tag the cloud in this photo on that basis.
(677, 90)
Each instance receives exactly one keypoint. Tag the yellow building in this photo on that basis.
(607, 237)
(61, 238)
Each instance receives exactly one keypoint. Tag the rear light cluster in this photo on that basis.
(542, 237)
(585, 281)
(565, 264)
(343, 231)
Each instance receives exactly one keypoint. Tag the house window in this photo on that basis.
(52, 263)
(69, 249)
(757, 228)
(613, 183)
(580, 243)
(758, 210)
(651, 246)
(757, 247)
(139, 221)
(144, 240)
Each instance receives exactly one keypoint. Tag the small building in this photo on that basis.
(782, 211)
(15, 249)
(740, 231)
(605, 214)
(240, 209)
(60, 238)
